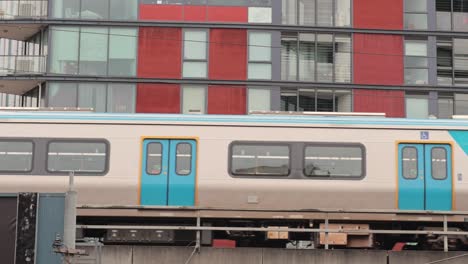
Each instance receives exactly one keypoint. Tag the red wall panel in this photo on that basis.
(159, 52)
(226, 100)
(227, 13)
(378, 14)
(228, 54)
(158, 98)
(195, 13)
(379, 101)
(161, 12)
(378, 59)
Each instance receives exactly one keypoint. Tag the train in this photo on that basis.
(286, 168)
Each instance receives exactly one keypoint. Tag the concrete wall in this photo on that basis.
(171, 255)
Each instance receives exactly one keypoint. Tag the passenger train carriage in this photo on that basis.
(256, 162)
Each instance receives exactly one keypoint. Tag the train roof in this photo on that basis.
(230, 120)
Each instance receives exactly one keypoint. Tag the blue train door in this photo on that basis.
(168, 172)
(424, 177)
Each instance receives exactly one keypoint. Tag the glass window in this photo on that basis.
(444, 61)
(324, 58)
(62, 94)
(334, 161)
(259, 99)
(259, 46)
(184, 159)
(439, 163)
(92, 9)
(289, 100)
(259, 14)
(325, 14)
(259, 160)
(306, 12)
(16, 156)
(289, 57)
(325, 101)
(195, 54)
(416, 6)
(416, 67)
(92, 95)
(417, 106)
(93, 50)
(80, 157)
(121, 98)
(415, 21)
(122, 51)
(64, 56)
(123, 9)
(416, 76)
(307, 100)
(154, 158)
(289, 15)
(460, 15)
(445, 104)
(194, 69)
(343, 101)
(343, 13)
(342, 60)
(193, 99)
(259, 55)
(307, 56)
(195, 45)
(409, 162)
(65, 9)
(461, 104)
(460, 62)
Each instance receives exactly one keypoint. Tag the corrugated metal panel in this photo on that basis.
(392, 103)
(378, 14)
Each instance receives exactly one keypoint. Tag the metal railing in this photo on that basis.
(23, 9)
(22, 64)
(444, 230)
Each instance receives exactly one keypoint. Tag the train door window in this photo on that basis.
(334, 161)
(154, 159)
(16, 156)
(439, 163)
(410, 162)
(184, 159)
(81, 157)
(260, 160)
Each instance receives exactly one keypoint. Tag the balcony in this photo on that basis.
(22, 65)
(20, 19)
(23, 9)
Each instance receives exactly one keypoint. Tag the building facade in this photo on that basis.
(406, 58)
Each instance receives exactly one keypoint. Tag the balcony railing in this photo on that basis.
(23, 9)
(18, 65)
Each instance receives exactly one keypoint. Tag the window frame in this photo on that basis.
(259, 62)
(147, 155)
(76, 140)
(403, 164)
(25, 140)
(177, 159)
(333, 144)
(259, 143)
(207, 52)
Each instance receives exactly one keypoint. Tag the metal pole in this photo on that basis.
(326, 233)
(39, 96)
(198, 238)
(445, 236)
(69, 234)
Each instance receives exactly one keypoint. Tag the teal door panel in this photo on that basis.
(438, 177)
(182, 172)
(155, 167)
(425, 177)
(411, 181)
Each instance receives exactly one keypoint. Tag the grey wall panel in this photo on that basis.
(50, 223)
(8, 206)
(423, 257)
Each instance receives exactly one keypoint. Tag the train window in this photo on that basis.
(81, 157)
(334, 161)
(260, 160)
(410, 163)
(439, 163)
(16, 156)
(154, 159)
(184, 159)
